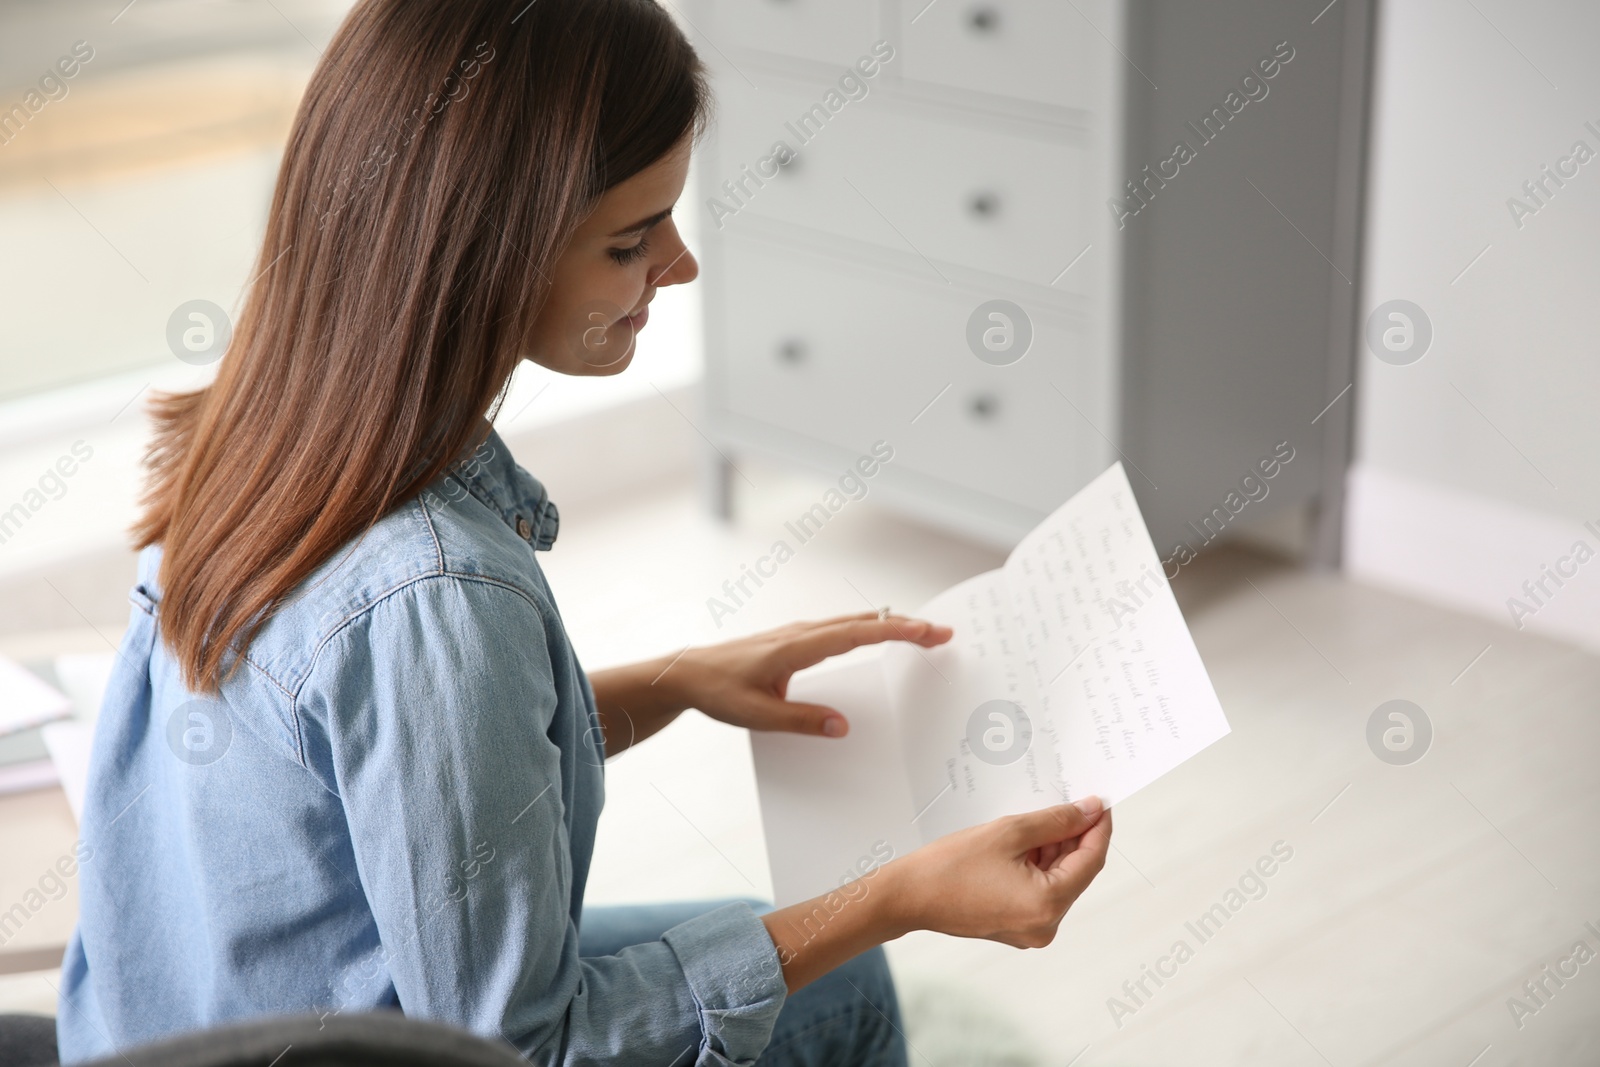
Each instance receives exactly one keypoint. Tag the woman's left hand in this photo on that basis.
(744, 682)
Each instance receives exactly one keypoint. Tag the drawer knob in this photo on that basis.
(984, 205)
(792, 350)
(983, 18)
(984, 406)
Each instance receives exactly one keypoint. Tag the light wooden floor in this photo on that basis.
(1418, 898)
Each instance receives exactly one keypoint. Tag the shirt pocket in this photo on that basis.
(139, 641)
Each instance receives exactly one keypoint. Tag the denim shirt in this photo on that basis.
(391, 804)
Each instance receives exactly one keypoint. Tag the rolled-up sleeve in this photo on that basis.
(440, 718)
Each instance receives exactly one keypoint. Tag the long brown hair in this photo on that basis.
(442, 156)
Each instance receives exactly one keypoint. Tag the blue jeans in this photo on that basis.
(847, 1018)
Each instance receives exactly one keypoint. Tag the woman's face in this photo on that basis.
(604, 282)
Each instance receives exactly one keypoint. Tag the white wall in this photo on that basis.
(1480, 463)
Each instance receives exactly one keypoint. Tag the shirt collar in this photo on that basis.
(492, 476)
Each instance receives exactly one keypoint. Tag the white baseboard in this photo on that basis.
(1474, 553)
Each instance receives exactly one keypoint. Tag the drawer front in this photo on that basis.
(850, 359)
(828, 31)
(989, 200)
(1040, 50)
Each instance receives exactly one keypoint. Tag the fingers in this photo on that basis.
(1084, 862)
(1049, 825)
(839, 636)
(791, 716)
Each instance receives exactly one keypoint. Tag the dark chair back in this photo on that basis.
(372, 1038)
(27, 1041)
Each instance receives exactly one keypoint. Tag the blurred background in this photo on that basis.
(1379, 256)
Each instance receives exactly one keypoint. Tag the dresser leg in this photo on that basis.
(716, 483)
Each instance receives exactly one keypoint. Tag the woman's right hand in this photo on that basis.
(1010, 880)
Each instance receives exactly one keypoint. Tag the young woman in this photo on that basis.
(348, 759)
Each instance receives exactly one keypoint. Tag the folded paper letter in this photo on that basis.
(1071, 673)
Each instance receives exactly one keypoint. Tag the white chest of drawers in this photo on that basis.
(881, 169)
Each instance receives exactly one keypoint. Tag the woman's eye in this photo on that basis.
(628, 255)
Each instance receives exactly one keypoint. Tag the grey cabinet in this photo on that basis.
(882, 172)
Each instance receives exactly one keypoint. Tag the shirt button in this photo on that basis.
(524, 529)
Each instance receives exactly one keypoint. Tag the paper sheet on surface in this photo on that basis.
(1079, 629)
(26, 700)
